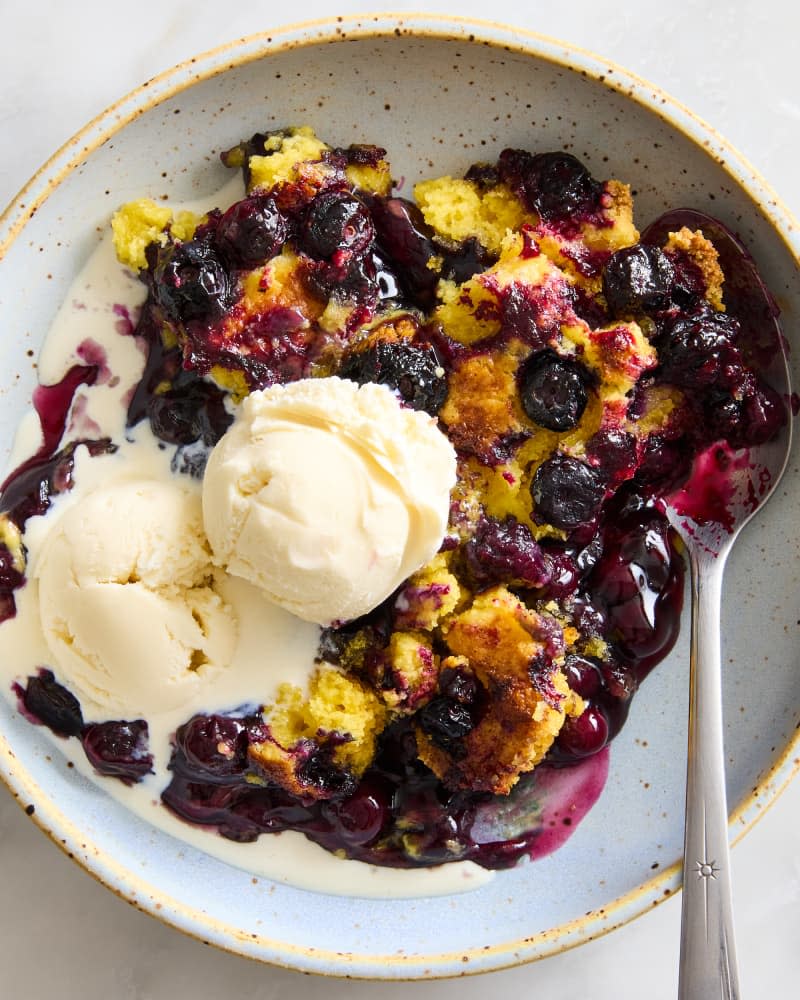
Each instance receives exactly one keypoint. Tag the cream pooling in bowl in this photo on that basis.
(327, 495)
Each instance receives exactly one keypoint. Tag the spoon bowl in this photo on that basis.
(725, 489)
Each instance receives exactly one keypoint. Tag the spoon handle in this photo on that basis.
(708, 968)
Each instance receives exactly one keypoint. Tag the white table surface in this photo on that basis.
(61, 934)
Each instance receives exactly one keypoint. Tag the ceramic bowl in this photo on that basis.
(438, 94)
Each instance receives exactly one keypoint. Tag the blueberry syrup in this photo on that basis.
(27, 490)
(124, 324)
(399, 815)
(52, 404)
(94, 356)
(118, 749)
(708, 495)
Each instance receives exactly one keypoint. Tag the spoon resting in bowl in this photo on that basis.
(725, 489)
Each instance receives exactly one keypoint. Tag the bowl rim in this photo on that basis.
(230, 55)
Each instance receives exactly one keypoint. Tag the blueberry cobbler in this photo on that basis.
(439, 433)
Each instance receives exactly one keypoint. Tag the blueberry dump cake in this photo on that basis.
(433, 438)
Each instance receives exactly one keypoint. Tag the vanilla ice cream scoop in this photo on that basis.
(127, 599)
(327, 495)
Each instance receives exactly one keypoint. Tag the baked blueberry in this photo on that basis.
(407, 242)
(360, 818)
(336, 220)
(566, 493)
(552, 391)
(252, 231)
(750, 413)
(321, 773)
(190, 281)
(464, 260)
(699, 350)
(506, 551)
(213, 745)
(585, 735)
(459, 685)
(413, 370)
(637, 279)
(118, 749)
(555, 185)
(615, 452)
(582, 674)
(446, 720)
(182, 416)
(52, 704)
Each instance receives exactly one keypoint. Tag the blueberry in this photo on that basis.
(637, 279)
(445, 721)
(764, 412)
(173, 418)
(188, 413)
(252, 231)
(582, 674)
(360, 818)
(413, 370)
(10, 577)
(555, 185)
(619, 679)
(751, 413)
(506, 551)
(553, 391)
(665, 464)
(336, 220)
(588, 616)
(118, 749)
(566, 493)
(320, 772)
(699, 350)
(565, 575)
(462, 261)
(585, 735)
(190, 281)
(361, 154)
(484, 175)
(407, 242)
(459, 685)
(348, 278)
(52, 704)
(614, 453)
(213, 746)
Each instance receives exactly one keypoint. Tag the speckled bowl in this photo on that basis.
(438, 95)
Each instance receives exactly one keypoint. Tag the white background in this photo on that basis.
(735, 64)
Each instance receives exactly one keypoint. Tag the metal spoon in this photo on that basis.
(708, 968)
